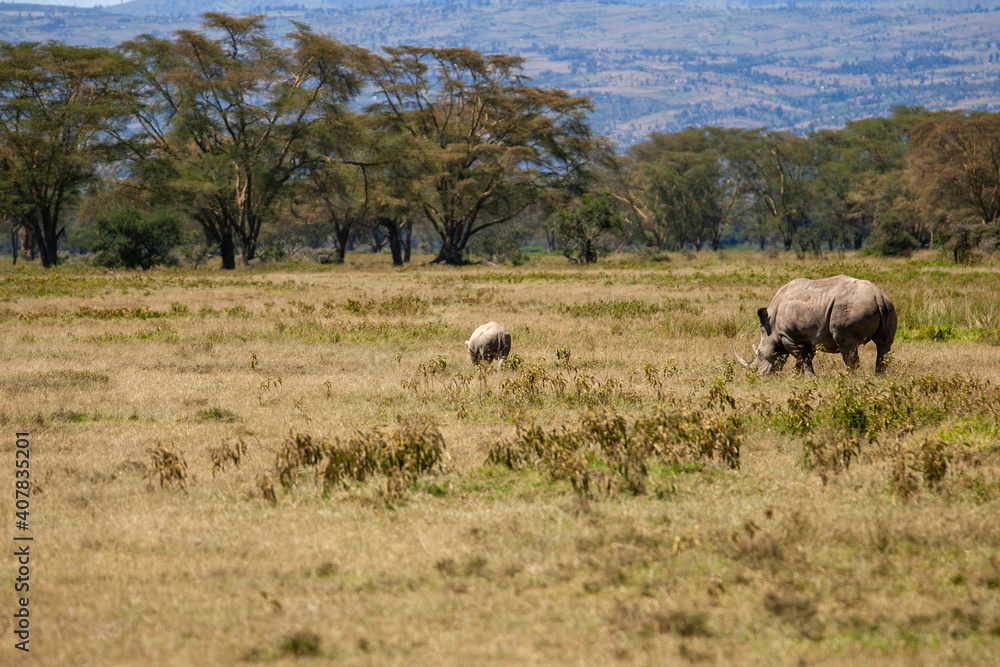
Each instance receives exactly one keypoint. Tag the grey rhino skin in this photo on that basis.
(835, 314)
(489, 342)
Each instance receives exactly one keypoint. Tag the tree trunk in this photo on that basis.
(407, 240)
(375, 239)
(227, 249)
(13, 243)
(452, 247)
(29, 246)
(218, 231)
(46, 237)
(249, 248)
(397, 251)
(786, 227)
(50, 249)
(342, 236)
(392, 238)
(446, 256)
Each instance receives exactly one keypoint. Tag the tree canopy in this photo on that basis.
(58, 104)
(487, 144)
(230, 120)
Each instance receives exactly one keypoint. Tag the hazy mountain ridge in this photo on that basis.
(801, 65)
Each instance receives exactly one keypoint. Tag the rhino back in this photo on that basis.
(490, 339)
(828, 310)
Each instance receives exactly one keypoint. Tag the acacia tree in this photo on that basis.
(954, 171)
(586, 230)
(687, 189)
(333, 195)
(484, 144)
(363, 188)
(834, 174)
(875, 156)
(58, 104)
(10, 228)
(228, 122)
(775, 167)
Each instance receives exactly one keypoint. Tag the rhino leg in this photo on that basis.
(779, 362)
(804, 361)
(850, 356)
(880, 358)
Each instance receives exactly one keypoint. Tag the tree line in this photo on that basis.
(324, 144)
(914, 179)
(233, 132)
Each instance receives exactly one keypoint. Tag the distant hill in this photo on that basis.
(648, 66)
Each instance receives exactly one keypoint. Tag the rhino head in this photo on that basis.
(770, 350)
(473, 354)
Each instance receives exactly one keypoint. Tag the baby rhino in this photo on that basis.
(489, 342)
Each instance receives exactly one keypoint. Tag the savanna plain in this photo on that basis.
(298, 461)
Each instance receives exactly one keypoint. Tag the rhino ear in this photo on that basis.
(762, 316)
(468, 344)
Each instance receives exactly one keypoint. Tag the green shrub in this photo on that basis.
(890, 239)
(273, 252)
(502, 243)
(588, 231)
(130, 238)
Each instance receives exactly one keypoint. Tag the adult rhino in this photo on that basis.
(835, 314)
(489, 342)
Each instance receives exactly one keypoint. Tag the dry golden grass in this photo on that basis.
(143, 557)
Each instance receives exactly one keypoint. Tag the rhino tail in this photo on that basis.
(886, 331)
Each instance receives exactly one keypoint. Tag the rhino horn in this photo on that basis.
(739, 358)
(755, 348)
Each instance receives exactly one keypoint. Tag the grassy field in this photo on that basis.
(295, 460)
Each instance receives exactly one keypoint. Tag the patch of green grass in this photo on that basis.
(162, 334)
(306, 332)
(239, 310)
(303, 644)
(938, 333)
(729, 326)
(136, 313)
(981, 431)
(511, 277)
(70, 378)
(499, 483)
(629, 308)
(215, 413)
(609, 455)
(73, 416)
